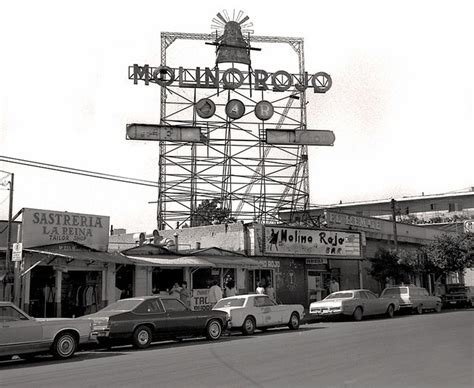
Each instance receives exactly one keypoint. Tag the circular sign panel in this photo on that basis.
(205, 108)
(264, 110)
(235, 109)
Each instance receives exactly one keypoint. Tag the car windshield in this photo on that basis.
(234, 302)
(340, 295)
(123, 305)
(394, 291)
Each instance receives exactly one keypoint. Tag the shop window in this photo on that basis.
(164, 279)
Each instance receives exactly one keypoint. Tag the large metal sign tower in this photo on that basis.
(229, 133)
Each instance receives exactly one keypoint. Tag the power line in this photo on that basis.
(76, 171)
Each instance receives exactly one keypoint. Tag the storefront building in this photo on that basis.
(65, 269)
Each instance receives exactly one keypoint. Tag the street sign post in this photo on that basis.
(17, 251)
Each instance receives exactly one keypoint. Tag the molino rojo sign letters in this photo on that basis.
(47, 227)
(302, 242)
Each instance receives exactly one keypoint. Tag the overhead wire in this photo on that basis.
(76, 171)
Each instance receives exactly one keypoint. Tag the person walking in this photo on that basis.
(215, 293)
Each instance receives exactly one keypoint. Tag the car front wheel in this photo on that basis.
(248, 327)
(64, 346)
(438, 308)
(419, 309)
(142, 337)
(294, 323)
(213, 330)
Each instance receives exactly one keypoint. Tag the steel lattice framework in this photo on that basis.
(251, 179)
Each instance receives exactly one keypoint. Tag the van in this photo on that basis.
(413, 298)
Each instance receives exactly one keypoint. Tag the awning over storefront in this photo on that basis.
(101, 257)
(232, 262)
(172, 261)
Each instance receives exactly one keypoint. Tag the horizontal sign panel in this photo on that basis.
(164, 133)
(320, 242)
(299, 137)
(47, 227)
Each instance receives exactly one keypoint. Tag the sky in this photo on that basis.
(401, 104)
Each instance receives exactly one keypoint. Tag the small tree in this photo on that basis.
(209, 212)
(450, 253)
(386, 265)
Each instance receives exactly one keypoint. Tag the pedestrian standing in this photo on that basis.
(260, 287)
(215, 293)
(185, 294)
(175, 291)
(230, 288)
(333, 286)
(270, 291)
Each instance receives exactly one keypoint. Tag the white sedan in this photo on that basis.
(255, 311)
(355, 303)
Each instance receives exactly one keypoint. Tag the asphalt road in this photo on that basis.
(431, 350)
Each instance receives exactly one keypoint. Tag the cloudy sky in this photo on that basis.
(401, 104)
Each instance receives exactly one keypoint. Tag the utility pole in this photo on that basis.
(9, 225)
(394, 217)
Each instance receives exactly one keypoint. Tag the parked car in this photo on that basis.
(412, 298)
(354, 303)
(457, 295)
(25, 336)
(255, 311)
(141, 320)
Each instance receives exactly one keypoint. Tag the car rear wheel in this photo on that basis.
(294, 323)
(357, 315)
(390, 311)
(142, 337)
(213, 330)
(248, 327)
(419, 309)
(64, 346)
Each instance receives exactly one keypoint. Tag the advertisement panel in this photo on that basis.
(320, 242)
(200, 300)
(47, 227)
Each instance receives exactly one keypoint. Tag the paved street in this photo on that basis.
(431, 350)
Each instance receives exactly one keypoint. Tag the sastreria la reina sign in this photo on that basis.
(47, 227)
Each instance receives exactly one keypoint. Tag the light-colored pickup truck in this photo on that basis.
(25, 336)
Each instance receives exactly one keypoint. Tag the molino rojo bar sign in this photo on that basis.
(320, 242)
(47, 227)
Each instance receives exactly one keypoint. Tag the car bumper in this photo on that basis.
(325, 312)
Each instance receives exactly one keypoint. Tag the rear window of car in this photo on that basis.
(340, 295)
(123, 305)
(234, 302)
(395, 291)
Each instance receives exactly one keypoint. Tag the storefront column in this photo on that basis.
(109, 286)
(142, 281)
(359, 268)
(58, 286)
(240, 281)
(26, 287)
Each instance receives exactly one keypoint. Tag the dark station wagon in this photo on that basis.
(142, 320)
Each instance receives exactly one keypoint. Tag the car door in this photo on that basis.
(19, 333)
(367, 305)
(377, 305)
(263, 312)
(151, 311)
(180, 320)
